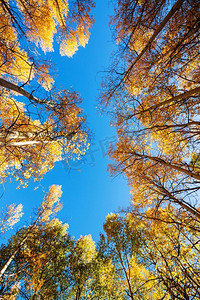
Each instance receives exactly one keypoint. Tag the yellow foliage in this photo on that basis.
(85, 249)
(29, 148)
(153, 93)
(51, 203)
(13, 294)
(12, 216)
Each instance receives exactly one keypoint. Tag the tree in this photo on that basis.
(81, 263)
(124, 243)
(171, 250)
(29, 147)
(34, 262)
(49, 127)
(50, 205)
(42, 261)
(36, 23)
(141, 255)
(106, 282)
(156, 255)
(39, 266)
(25, 25)
(153, 90)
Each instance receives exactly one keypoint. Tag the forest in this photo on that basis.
(150, 92)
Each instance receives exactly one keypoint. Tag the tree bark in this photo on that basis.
(13, 87)
(16, 138)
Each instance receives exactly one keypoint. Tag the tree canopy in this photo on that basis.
(42, 129)
(153, 89)
(149, 250)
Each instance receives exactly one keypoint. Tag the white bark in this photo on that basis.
(17, 138)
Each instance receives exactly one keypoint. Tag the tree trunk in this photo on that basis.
(6, 265)
(126, 275)
(178, 98)
(2, 271)
(17, 138)
(13, 87)
(78, 293)
(164, 191)
(175, 7)
(163, 162)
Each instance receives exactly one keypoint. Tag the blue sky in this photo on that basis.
(89, 193)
